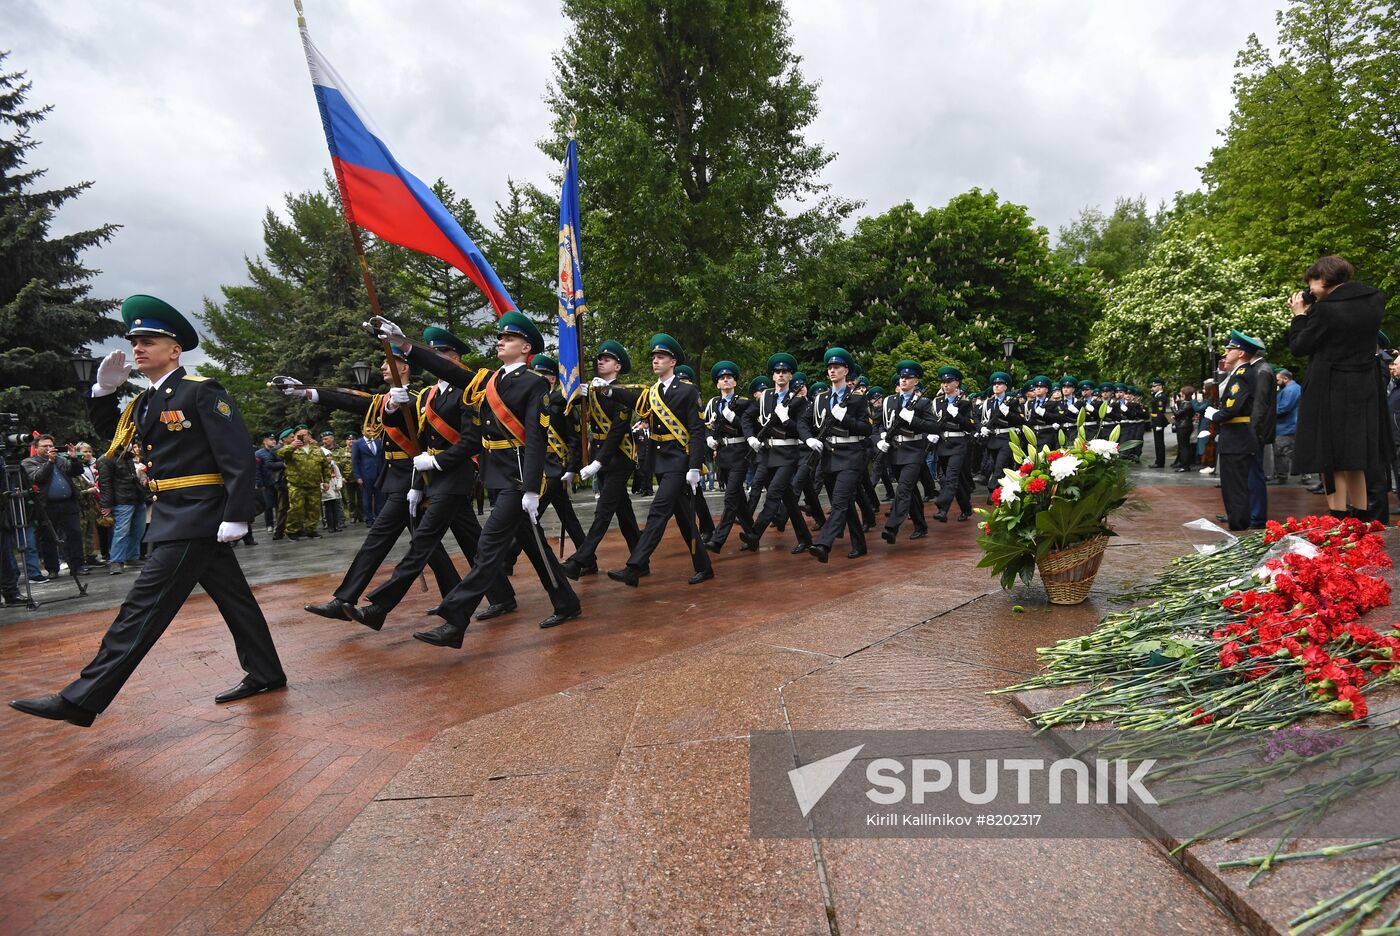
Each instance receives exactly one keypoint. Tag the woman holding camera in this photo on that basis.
(1342, 430)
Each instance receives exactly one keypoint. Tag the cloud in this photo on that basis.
(193, 119)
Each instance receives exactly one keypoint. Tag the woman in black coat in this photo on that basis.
(1341, 415)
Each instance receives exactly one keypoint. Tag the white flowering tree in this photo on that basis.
(1155, 321)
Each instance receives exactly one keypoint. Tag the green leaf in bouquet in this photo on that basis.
(1113, 436)
(1017, 451)
(1062, 438)
(1145, 646)
(1079, 420)
(1029, 433)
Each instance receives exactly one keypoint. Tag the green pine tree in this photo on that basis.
(47, 315)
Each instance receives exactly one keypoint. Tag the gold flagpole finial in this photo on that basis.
(301, 14)
(573, 121)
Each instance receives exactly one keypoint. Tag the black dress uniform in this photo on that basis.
(671, 412)
(1003, 418)
(1157, 413)
(513, 424)
(954, 417)
(907, 438)
(778, 423)
(563, 451)
(1043, 415)
(724, 422)
(610, 426)
(1246, 421)
(841, 421)
(195, 446)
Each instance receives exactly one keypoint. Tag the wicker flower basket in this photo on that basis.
(1069, 573)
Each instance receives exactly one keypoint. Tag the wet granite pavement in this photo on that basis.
(590, 778)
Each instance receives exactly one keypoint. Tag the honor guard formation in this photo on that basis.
(774, 447)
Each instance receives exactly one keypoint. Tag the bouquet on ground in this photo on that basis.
(1052, 500)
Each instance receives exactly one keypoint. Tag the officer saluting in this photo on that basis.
(195, 446)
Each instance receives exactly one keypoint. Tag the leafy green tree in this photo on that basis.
(47, 315)
(524, 251)
(1311, 156)
(1155, 323)
(1114, 244)
(700, 193)
(958, 280)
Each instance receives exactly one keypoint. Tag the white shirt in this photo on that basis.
(507, 368)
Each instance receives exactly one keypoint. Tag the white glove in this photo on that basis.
(952, 411)
(727, 413)
(1005, 409)
(838, 412)
(985, 433)
(755, 444)
(567, 477)
(882, 445)
(589, 470)
(1211, 413)
(111, 374)
(398, 396)
(425, 462)
(1071, 407)
(814, 444)
(292, 387)
(1040, 409)
(908, 415)
(712, 442)
(388, 329)
(231, 532)
(415, 497)
(933, 437)
(781, 411)
(597, 382)
(692, 478)
(1203, 434)
(530, 500)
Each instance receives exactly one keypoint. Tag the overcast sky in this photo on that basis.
(192, 118)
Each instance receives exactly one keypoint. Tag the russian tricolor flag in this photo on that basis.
(382, 196)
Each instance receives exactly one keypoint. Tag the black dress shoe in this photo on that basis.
(699, 577)
(626, 575)
(371, 615)
(964, 517)
(713, 546)
(941, 516)
(750, 541)
(335, 609)
(57, 708)
(644, 571)
(919, 534)
(887, 535)
(496, 610)
(856, 553)
(1317, 489)
(555, 619)
(1222, 518)
(445, 634)
(249, 687)
(575, 571)
(313, 536)
(868, 528)
(820, 551)
(800, 548)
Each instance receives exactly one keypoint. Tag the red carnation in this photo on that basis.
(1035, 485)
(1027, 468)
(1055, 456)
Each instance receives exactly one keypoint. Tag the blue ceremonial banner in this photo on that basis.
(571, 304)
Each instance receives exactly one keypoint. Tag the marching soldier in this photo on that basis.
(759, 472)
(954, 433)
(1003, 418)
(614, 453)
(195, 447)
(704, 522)
(841, 424)
(724, 422)
(1089, 402)
(563, 452)
(512, 404)
(671, 410)
(1111, 410)
(1042, 413)
(809, 466)
(777, 428)
(1069, 409)
(907, 420)
(395, 481)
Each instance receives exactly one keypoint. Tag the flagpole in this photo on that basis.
(584, 437)
(395, 379)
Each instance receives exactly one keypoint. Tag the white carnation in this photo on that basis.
(1105, 447)
(1010, 489)
(1062, 468)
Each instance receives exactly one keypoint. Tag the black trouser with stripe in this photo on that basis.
(508, 531)
(781, 494)
(556, 495)
(172, 570)
(906, 504)
(841, 488)
(612, 501)
(957, 476)
(440, 513)
(382, 535)
(736, 507)
(704, 521)
(673, 499)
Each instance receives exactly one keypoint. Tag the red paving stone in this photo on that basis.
(173, 815)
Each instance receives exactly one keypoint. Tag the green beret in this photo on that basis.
(662, 343)
(1239, 339)
(617, 352)
(147, 315)
(759, 383)
(1000, 377)
(443, 339)
(284, 433)
(839, 356)
(685, 372)
(1040, 380)
(908, 368)
(545, 364)
(724, 369)
(949, 373)
(516, 323)
(782, 361)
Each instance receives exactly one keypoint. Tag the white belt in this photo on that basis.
(839, 440)
(954, 435)
(776, 442)
(905, 438)
(1006, 431)
(734, 441)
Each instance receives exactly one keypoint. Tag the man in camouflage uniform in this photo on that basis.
(340, 455)
(308, 473)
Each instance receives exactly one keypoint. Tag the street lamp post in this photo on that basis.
(361, 371)
(84, 368)
(1008, 351)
